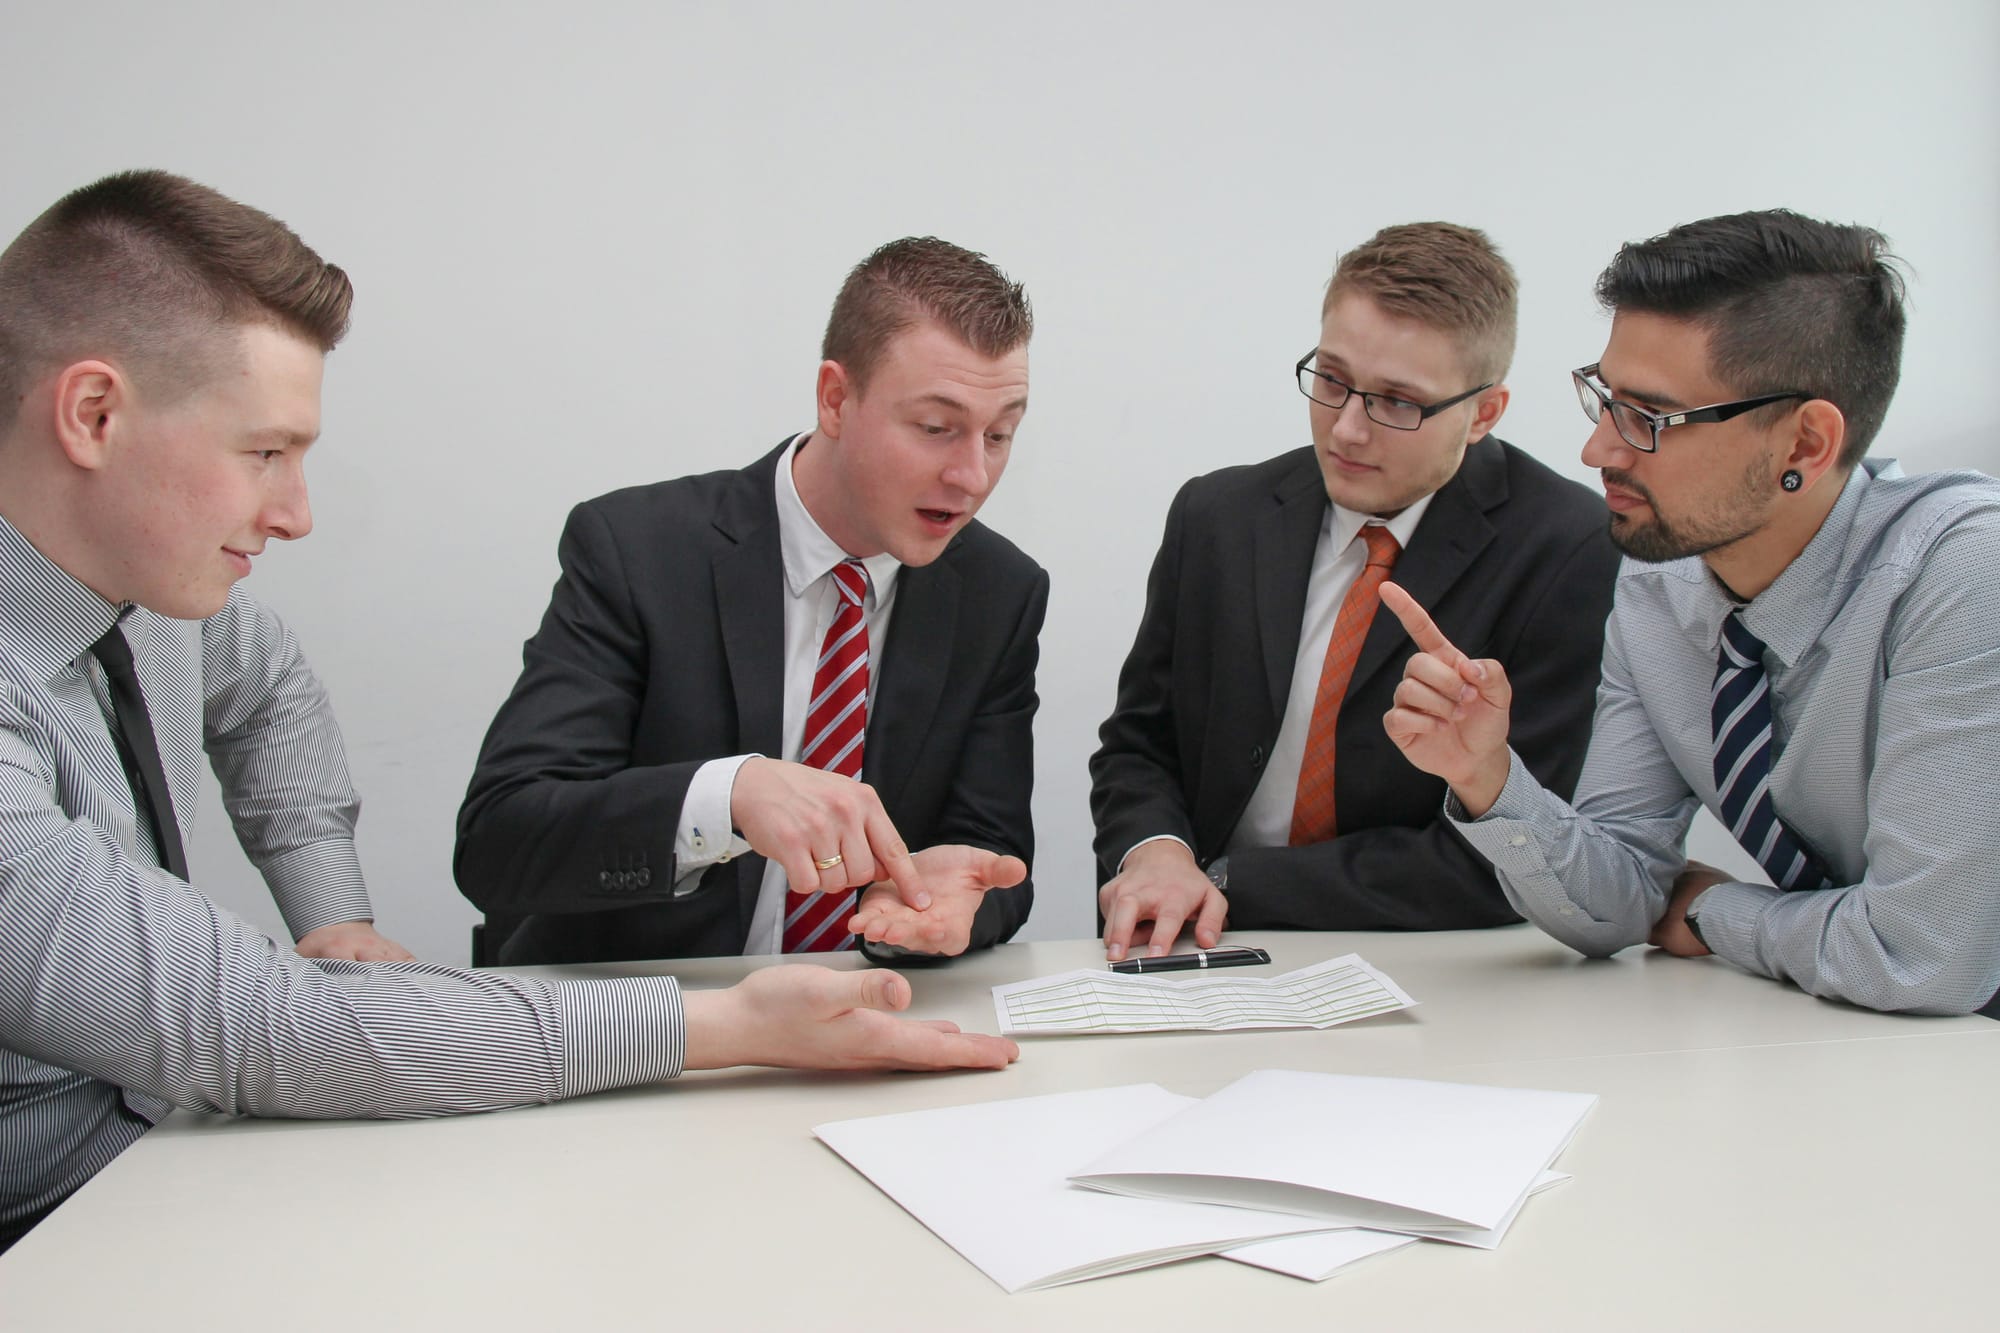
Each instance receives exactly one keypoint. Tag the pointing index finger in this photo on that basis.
(1423, 631)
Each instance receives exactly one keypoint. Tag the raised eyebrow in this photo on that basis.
(945, 401)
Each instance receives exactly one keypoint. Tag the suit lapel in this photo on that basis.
(1283, 544)
(911, 672)
(749, 600)
(1450, 537)
(749, 576)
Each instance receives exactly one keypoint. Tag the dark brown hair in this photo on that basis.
(149, 270)
(1442, 275)
(1790, 305)
(917, 278)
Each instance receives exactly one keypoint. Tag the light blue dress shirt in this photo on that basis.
(1883, 655)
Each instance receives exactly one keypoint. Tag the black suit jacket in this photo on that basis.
(1512, 561)
(663, 648)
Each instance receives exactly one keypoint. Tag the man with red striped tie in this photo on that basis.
(754, 691)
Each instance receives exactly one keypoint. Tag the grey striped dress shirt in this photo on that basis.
(1882, 649)
(125, 992)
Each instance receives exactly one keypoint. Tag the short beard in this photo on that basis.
(1739, 514)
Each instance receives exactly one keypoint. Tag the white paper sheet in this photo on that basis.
(1339, 990)
(1318, 1255)
(991, 1181)
(1393, 1154)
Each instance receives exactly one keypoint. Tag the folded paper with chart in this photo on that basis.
(1041, 1191)
(1339, 990)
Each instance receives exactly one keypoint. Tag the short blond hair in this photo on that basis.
(1440, 274)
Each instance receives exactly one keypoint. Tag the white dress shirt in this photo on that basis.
(1338, 560)
(705, 835)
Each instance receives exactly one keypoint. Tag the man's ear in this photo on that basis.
(833, 392)
(89, 399)
(1819, 430)
(1486, 411)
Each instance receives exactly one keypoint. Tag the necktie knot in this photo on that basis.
(851, 577)
(1739, 645)
(114, 654)
(1383, 547)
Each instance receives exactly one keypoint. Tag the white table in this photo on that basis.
(1758, 1158)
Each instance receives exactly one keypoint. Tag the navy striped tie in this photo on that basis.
(1740, 706)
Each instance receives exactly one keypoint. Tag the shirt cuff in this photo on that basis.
(1514, 835)
(1729, 913)
(319, 884)
(619, 1032)
(1157, 837)
(707, 835)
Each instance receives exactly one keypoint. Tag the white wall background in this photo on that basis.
(595, 245)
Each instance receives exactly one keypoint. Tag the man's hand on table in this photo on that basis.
(799, 1016)
(1671, 931)
(357, 940)
(1160, 884)
(957, 879)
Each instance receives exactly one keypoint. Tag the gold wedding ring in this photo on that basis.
(828, 862)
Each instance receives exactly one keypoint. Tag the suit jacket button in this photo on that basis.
(604, 878)
(1256, 756)
(644, 877)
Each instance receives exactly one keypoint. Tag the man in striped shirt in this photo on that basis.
(160, 360)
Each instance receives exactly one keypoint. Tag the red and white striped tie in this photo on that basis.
(836, 733)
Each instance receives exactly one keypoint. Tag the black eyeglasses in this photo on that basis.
(1640, 428)
(1382, 408)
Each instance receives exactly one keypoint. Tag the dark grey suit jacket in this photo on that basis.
(663, 648)
(1512, 561)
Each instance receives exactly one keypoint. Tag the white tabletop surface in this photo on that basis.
(1758, 1157)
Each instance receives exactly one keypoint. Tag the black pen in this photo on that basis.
(1234, 956)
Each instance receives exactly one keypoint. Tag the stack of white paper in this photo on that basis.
(1298, 1173)
(1397, 1154)
(992, 1181)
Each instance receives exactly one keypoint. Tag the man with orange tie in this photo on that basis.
(1244, 777)
(754, 690)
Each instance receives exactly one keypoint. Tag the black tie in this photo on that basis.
(138, 749)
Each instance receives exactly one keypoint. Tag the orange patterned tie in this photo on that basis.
(1312, 810)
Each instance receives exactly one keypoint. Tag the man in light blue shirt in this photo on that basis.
(1805, 641)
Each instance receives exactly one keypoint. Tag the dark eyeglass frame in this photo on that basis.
(1368, 400)
(1595, 399)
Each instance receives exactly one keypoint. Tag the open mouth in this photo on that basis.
(942, 518)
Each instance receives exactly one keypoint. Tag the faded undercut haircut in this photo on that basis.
(1790, 305)
(1447, 277)
(924, 278)
(153, 273)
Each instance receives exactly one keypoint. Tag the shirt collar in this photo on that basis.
(1344, 524)
(809, 554)
(47, 619)
(1790, 615)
